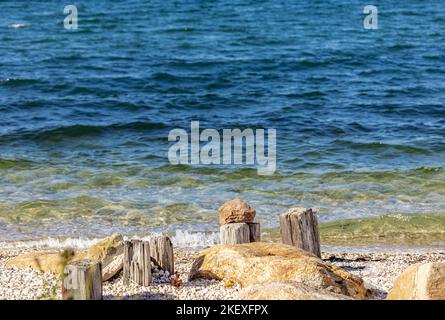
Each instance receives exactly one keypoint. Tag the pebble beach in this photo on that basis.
(378, 270)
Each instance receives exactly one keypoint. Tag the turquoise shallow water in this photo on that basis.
(85, 115)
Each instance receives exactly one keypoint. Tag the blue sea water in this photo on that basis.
(85, 114)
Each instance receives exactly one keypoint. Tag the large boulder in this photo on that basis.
(259, 262)
(287, 291)
(420, 282)
(236, 210)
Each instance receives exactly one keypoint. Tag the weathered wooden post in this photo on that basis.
(161, 251)
(299, 228)
(255, 231)
(82, 281)
(234, 233)
(137, 263)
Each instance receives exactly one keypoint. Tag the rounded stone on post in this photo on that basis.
(235, 211)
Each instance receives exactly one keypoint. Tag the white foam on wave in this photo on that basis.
(187, 239)
(49, 243)
(181, 239)
(18, 25)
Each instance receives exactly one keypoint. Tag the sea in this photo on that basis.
(85, 113)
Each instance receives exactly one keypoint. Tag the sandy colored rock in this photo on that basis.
(236, 210)
(42, 261)
(109, 252)
(420, 282)
(259, 262)
(287, 291)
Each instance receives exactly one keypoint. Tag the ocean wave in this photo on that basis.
(50, 243)
(6, 164)
(15, 82)
(364, 176)
(401, 46)
(380, 146)
(81, 130)
(218, 172)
